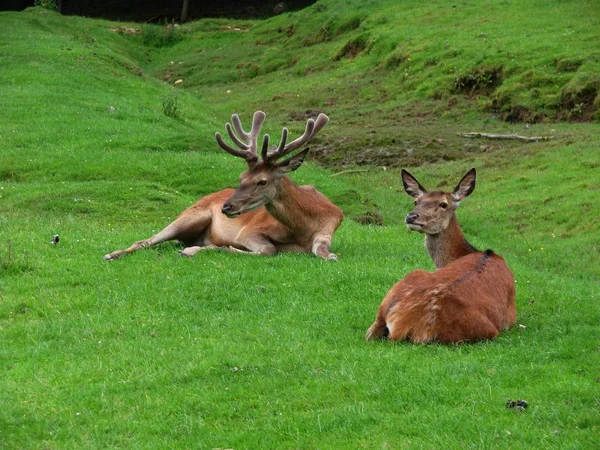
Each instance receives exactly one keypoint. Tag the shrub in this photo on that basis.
(161, 36)
(48, 4)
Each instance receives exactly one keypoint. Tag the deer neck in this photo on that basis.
(290, 205)
(449, 245)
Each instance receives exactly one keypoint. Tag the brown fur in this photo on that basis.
(470, 297)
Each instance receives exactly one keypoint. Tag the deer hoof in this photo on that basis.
(332, 257)
(184, 254)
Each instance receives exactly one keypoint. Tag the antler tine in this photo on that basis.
(232, 151)
(234, 137)
(312, 128)
(308, 132)
(265, 148)
(237, 124)
(257, 121)
(251, 137)
(322, 120)
(284, 136)
(246, 141)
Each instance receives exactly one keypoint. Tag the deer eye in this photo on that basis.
(262, 182)
(415, 203)
(443, 205)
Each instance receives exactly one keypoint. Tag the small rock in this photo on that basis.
(519, 405)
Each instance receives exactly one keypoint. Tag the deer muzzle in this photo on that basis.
(227, 210)
(411, 221)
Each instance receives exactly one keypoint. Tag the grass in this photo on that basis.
(234, 351)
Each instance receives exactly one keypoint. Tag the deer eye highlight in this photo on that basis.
(262, 182)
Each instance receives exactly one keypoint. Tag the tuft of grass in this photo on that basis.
(47, 4)
(158, 36)
(170, 106)
(11, 263)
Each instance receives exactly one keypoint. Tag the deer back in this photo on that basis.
(470, 299)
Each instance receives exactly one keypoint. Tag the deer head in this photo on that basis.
(261, 183)
(434, 210)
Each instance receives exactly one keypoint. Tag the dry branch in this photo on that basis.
(515, 137)
(349, 171)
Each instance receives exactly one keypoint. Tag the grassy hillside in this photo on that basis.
(404, 66)
(99, 144)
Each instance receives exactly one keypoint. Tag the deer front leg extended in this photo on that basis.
(169, 233)
(321, 246)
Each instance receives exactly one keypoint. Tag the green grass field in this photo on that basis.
(99, 144)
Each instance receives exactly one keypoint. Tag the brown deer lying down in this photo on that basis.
(267, 213)
(471, 295)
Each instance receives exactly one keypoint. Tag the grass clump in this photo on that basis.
(12, 263)
(170, 106)
(46, 4)
(481, 81)
(159, 36)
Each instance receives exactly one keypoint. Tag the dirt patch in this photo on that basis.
(502, 106)
(352, 48)
(401, 144)
(303, 116)
(370, 218)
(521, 114)
(579, 105)
(481, 81)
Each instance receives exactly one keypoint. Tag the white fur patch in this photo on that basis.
(414, 226)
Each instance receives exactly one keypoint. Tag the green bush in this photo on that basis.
(161, 36)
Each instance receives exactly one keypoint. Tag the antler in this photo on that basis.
(312, 128)
(246, 141)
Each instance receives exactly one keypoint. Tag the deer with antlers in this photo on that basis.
(267, 213)
(471, 295)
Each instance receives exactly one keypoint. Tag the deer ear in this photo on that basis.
(465, 187)
(411, 185)
(291, 164)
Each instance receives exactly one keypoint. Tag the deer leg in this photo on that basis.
(184, 226)
(191, 251)
(378, 330)
(256, 246)
(320, 248)
(169, 233)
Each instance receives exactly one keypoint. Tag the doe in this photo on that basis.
(471, 295)
(267, 213)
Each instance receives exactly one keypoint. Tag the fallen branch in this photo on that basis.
(515, 137)
(349, 171)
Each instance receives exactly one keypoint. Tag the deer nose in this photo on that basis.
(226, 208)
(411, 217)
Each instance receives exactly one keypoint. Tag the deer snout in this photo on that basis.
(226, 208)
(411, 221)
(411, 217)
